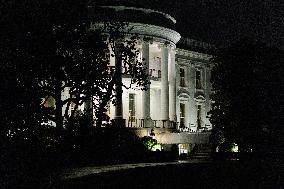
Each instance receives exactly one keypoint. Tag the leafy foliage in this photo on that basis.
(246, 80)
(47, 47)
(59, 49)
(149, 142)
(216, 137)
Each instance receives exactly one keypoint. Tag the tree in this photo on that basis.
(45, 48)
(62, 52)
(26, 46)
(246, 80)
(124, 50)
(28, 51)
(84, 67)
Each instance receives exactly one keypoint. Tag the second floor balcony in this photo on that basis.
(155, 73)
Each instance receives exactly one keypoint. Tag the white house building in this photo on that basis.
(176, 104)
(177, 101)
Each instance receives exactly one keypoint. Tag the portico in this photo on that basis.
(178, 96)
(156, 106)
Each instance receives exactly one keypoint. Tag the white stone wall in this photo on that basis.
(191, 62)
(188, 95)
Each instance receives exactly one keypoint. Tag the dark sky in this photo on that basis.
(221, 21)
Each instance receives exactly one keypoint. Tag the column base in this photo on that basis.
(162, 124)
(148, 123)
(173, 124)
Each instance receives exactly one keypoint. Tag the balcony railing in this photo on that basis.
(141, 123)
(154, 73)
(164, 124)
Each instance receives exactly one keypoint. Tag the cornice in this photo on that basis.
(155, 33)
(192, 54)
(165, 34)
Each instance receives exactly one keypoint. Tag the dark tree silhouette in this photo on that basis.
(123, 48)
(247, 80)
(82, 65)
(62, 50)
(29, 44)
(45, 48)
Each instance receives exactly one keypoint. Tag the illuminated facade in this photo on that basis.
(177, 101)
(178, 96)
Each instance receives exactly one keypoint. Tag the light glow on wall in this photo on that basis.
(157, 147)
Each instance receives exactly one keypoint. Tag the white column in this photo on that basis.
(186, 113)
(177, 99)
(172, 87)
(178, 112)
(118, 112)
(146, 94)
(164, 84)
(203, 114)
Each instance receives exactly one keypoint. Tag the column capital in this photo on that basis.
(164, 45)
(173, 50)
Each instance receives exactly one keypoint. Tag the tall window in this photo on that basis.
(182, 77)
(182, 115)
(198, 79)
(132, 107)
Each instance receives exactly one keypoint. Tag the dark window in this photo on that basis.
(182, 77)
(182, 115)
(198, 116)
(159, 73)
(198, 79)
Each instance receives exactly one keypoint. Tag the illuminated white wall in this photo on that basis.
(189, 95)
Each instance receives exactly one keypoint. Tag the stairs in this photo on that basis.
(203, 153)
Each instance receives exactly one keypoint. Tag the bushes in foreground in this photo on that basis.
(34, 163)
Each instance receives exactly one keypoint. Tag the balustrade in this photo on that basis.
(154, 73)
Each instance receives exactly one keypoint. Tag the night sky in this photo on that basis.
(222, 21)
